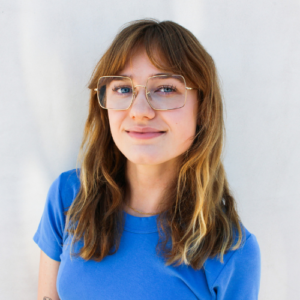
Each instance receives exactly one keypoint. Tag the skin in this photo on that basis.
(152, 164)
(47, 278)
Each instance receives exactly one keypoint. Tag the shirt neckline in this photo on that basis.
(140, 224)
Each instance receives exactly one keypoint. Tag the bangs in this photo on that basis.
(166, 47)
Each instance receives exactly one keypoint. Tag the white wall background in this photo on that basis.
(47, 54)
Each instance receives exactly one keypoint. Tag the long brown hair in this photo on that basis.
(200, 219)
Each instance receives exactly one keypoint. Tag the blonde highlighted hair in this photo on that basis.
(200, 218)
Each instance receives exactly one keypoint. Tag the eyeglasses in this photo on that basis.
(163, 92)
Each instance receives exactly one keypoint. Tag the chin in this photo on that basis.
(145, 159)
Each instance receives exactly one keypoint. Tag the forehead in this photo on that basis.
(138, 64)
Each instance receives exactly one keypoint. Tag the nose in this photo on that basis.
(135, 91)
(140, 107)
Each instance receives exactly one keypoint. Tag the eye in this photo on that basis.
(166, 89)
(122, 89)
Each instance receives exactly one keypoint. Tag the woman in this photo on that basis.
(149, 214)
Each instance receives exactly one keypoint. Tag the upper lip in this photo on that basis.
(144, 129)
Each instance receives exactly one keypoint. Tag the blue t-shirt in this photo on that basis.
(135, 271)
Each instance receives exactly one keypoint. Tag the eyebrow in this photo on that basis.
(130, 76)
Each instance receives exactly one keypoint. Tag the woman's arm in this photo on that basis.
(47, 278)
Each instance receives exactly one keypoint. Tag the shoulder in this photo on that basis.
(240, 269)
(51, 235)
(65, 187)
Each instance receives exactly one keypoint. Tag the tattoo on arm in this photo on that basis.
(47, 298)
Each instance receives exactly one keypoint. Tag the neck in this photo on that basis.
(146, 186)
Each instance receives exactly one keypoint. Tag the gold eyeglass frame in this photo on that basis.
(145, 86)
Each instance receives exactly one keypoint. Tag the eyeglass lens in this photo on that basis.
(164, 92)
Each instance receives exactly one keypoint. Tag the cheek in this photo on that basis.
(185, 133)
(115, 122)
(184, 128)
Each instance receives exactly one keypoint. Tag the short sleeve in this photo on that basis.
(49, 235)
(240, 278)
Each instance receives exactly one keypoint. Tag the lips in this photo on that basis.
(144, 132)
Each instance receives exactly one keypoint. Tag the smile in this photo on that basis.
(144, 135)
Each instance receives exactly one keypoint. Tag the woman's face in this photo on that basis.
(174, 129)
